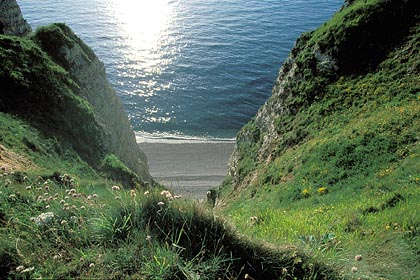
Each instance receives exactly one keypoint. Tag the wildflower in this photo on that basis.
(46, 188)
(306, 193)
(146, 192)
(89, 197)
(91, 265)
(160, 203)
(63, 222)
(166, 194)
(44, 218)
(66, 197)
(133, 193)
(73, 207)
(254, 220)
(7, 182)
(74, 219)
(12, 196)
(28, 188)
(322, 190)
(71, 191)
(354, 269)
(177, 196)
(94, 195)
(358, 258)
(284, 271)
(47, 207)
(116, 188)
(148, 238)
(118, 197)
(62, 201)
(82, 207)
(29, 269)
(20, 268)
(57, 257)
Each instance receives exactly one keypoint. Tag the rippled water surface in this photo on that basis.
(190, 68)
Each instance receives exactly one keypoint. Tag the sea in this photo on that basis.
(187, 70)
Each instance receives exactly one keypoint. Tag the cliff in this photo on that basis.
(11, 19)
(55, 82)
(88, 72)
(353, 43)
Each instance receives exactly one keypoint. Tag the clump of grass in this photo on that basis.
(52, 230)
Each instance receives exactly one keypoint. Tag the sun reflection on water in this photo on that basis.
(145, 25)
(143, 20)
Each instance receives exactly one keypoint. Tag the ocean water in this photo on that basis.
(187, 69)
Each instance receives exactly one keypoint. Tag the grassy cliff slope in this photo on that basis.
(331, 161)
(62, 213)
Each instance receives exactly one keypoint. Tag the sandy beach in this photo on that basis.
(189, 169)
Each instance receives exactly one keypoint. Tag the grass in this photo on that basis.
(343, 179)
(336, 196)
(81, 230)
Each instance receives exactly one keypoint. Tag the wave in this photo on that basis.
(167, 138)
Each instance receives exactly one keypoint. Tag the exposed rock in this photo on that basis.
(59, 41)
(11, 19)
(316, 60)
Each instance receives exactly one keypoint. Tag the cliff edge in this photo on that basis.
(11, 19)
(353, 43)
(55, 82)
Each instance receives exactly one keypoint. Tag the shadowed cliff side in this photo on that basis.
(11, 20)
(55, 82)
(69, 51)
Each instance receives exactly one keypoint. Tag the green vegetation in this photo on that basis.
(113, 168)
(60, 227)
(344, 176)
(335, 195)
(41, 92)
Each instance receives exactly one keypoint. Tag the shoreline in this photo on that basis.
(188, 168)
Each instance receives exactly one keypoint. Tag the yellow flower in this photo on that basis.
(306, 193)
(322, 190)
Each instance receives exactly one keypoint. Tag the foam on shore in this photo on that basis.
(144, 137)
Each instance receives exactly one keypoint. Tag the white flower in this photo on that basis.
(115, 188)
(44, 218)
(91, 265)
(20, 268)
(148, 238)
(160, 203)
(146, 192)
(28, 188)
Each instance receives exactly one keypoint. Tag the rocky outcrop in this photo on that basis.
(66, 49)
(11, 19)
(38, 90)
(355, 46)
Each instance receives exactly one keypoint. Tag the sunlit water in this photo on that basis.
(187, 68)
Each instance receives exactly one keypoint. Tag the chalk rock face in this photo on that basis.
(69, 51)
(11, 19)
